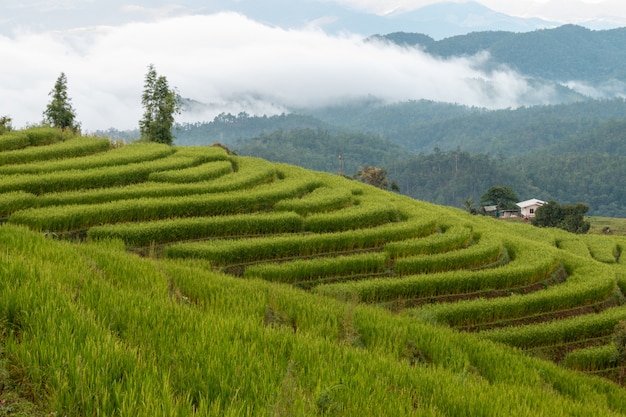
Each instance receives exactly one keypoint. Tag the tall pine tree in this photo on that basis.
(160, 103)
(59, 112)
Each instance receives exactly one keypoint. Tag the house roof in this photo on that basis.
(531, 202)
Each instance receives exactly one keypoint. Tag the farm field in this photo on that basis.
(610, 225)
(144, 279)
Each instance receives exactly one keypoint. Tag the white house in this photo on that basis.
(530, 206)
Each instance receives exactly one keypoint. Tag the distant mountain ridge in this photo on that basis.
(439, 20)
(563, 54)
(446, 153)
(443, 20)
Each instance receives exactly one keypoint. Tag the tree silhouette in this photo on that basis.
(373, 176)
(59, 112)
(160, 104)
(469, 206)
(568, 217)
(503, 197)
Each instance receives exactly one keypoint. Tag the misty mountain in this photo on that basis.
(234, 130)
(446, 153)
(490, 69)
(565, 54)
(443, 20)
(439, 21)
(336, 152)
(329, 16)
(421, 125)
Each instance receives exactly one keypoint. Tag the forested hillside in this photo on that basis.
(565, 53)
(343, 152)
(422, 125)
(446, 153)
(231, 129)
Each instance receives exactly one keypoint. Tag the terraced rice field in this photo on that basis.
(551, 294)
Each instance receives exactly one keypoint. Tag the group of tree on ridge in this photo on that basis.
(160, 103)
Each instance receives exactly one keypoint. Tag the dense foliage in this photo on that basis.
(234, 130)
(567, 217)
(568, 52)
(322, 150)
(421, 126)
(451, 178)
(504, 198)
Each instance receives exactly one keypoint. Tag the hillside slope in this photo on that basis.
(566, 53)
(188, 281)
(446, 154)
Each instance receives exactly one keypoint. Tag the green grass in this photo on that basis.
(599, 225)
(259, 287)
(92, 329)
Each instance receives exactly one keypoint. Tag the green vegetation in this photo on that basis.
(450, 239)
(131, 154)
(504, 198)
(484, 252)
(568, 217)
(607, 226)
(525, 269)
(188, 281)
(28, 145)
(59, 112)
(142, 234)
(327, 150)
(6, 124)
(591, 359)
(102, 177)
(445, 153)
(160, 103)
(568, 52)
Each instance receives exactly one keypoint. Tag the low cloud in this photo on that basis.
(606, 90)
(235, 64)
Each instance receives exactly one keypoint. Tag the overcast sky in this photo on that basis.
(565, 11)
(233, 63)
